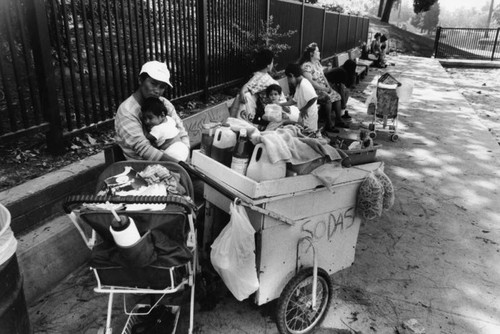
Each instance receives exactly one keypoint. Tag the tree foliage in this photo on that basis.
(420, 6)
(431, 18)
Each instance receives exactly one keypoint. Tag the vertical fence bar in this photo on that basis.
(120, 50)
(338, 34)
(109, 83)
(202, 49)
(127, 49)
(302, 14)
(28, 64)
(495, 45)
(100, 89)
(436, 42)
(81, 73)
(71, 70)
(90, 68)
(16, 69)
(323, 32)
(38, 27)
(116, 86)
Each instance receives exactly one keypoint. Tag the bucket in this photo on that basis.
(260, 168)
(13, 311)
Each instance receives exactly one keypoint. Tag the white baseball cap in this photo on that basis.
(157, 70)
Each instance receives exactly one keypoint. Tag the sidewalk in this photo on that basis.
(433, 257)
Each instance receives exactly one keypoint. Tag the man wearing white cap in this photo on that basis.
(153, 79)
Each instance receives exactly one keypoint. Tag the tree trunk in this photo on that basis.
(380, 8)
(387, 11)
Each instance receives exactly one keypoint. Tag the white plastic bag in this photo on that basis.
(233, 254)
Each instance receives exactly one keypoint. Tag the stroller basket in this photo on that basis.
(162, 261)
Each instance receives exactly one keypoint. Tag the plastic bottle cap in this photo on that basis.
(243, 132)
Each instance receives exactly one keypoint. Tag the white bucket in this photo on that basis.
(8, 243)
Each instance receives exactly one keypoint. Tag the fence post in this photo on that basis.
(323, 32)
(338, 33)
(302, 14)
(436, 42)
(202, 49)
(495, 45)
(42, 56)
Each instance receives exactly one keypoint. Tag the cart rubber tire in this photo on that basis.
(294, 300)
(371, 127)
(394, 137)
(372, 135)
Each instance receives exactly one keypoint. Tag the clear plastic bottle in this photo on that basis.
(241, 153)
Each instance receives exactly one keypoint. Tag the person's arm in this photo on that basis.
(303, 110)
(131, 135)
(178, 122)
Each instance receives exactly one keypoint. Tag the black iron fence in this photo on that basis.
(66, 65)
(467, 43)
(333, 32)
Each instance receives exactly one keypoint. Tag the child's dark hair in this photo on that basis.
(155, 105)
(293, 70)
(273, 88)
(382, 47)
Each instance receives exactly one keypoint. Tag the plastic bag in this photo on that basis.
(371, 102)
(233, 254)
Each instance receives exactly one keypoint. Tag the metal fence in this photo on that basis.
(467, 43)
(333, 32)
(66, 65)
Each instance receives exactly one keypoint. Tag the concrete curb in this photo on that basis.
(40, 199)
(469, 63)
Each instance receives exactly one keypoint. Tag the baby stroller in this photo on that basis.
(385, 107)
(162, 262)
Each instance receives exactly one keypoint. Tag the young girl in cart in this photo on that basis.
(275, 112)
(162, 129)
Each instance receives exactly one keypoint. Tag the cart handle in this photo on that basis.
(168, 200)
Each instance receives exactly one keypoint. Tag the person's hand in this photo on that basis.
(303, 114)
(286, 109)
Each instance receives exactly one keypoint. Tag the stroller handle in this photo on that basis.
(169, 200)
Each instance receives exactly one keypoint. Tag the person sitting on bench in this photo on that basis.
(130, 133)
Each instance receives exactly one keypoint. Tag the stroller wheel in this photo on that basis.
(372, 135)
(394, 137)
(371, 127)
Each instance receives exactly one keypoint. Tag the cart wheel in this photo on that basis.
(371, 127)
(372, 135)
(295, 314)
(394, 137)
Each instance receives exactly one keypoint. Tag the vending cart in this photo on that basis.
(305, 232)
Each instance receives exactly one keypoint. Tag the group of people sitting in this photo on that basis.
(379, 48)
(318, 92)
(149, 128)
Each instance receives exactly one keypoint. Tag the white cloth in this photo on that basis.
(164, 131)
(304, 92)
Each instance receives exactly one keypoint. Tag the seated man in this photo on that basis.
(130, 130)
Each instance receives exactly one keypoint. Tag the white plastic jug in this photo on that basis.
(260, 168)
(222, 147)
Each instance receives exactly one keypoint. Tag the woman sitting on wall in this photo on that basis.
(328, 98)
(245, 103)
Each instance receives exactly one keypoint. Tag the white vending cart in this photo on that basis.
(304, 233)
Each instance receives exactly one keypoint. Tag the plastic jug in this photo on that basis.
(260, 168)
(222, 146)
(207, 137)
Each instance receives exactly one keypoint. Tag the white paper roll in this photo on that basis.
(128, 236)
